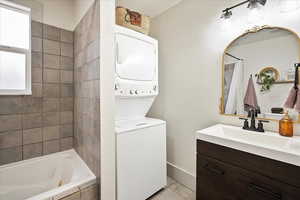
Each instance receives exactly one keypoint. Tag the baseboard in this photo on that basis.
(182, 176)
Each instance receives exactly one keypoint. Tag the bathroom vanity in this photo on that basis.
(234, 164)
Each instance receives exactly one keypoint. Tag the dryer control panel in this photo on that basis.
(129, 89)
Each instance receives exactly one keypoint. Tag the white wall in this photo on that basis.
(64, 14)
(59, 13)
(80, 8)
(150, 8)
(107, 101)
(192, 38)
(37, 8)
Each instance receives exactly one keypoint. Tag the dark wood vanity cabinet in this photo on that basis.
(227, 174)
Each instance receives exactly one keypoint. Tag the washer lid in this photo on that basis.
(124, 126)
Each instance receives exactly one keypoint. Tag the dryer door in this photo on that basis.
(136, 58)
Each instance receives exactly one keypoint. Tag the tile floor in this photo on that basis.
(174, 191)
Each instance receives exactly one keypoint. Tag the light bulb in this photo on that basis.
(289, 5)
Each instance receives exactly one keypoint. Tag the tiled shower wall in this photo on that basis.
(87, 88)
(41, 123)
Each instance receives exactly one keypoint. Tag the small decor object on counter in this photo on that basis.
(132, 20)
(290, 74)
(277, 110)
(286, 126)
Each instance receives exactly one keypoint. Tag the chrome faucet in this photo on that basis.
(260, 126)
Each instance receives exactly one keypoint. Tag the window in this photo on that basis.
(15, 49)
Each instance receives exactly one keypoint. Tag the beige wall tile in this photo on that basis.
(75, 196)
(66, 104)
(10, 122)
(36, 44)
(32, 104)
(51, 61)
(66, 36)
(37, 75)
(93, 51)
(37, 59)
(66, 90)
(31, 136)
(66, 130)
(32, 150)
(66, 143)
(66, 76)
(66, 63)
(32, 120)
(51, 146)
(50, 119)
(36, 29)
(51, 90)
(51, 32)
(51, 105)
(37, 90)
(90, 193)
(51, 133)
(10, 139)
(66, 117)
(51, 76)
(67, 49)
(10, 105)
(10, 155)
(51, 47)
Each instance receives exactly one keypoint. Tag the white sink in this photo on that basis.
(268, 144)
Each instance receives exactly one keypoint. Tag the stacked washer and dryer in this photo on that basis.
(141, 141)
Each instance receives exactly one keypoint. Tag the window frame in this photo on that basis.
(26, 52)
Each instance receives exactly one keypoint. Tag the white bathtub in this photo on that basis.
(44, 177)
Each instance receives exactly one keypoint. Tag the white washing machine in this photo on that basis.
(141, 141)
(141, 158)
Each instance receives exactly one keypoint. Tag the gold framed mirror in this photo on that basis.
(267, 54)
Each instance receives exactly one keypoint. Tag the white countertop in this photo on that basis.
(269, 144)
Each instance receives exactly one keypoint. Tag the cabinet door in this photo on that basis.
(258, 191)
(215, 181)
(254, 186)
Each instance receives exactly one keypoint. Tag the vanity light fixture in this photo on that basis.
(252, 4)
(256, 3)
(226, 14)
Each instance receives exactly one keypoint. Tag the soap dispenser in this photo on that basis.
(286, 126)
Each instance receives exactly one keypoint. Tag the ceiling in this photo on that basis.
(150, 8)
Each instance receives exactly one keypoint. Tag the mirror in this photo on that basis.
(265, 55)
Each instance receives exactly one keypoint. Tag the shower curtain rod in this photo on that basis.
(228, 54)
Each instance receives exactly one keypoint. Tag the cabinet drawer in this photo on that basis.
(220, 181)
(273, 169)
(215, 180)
